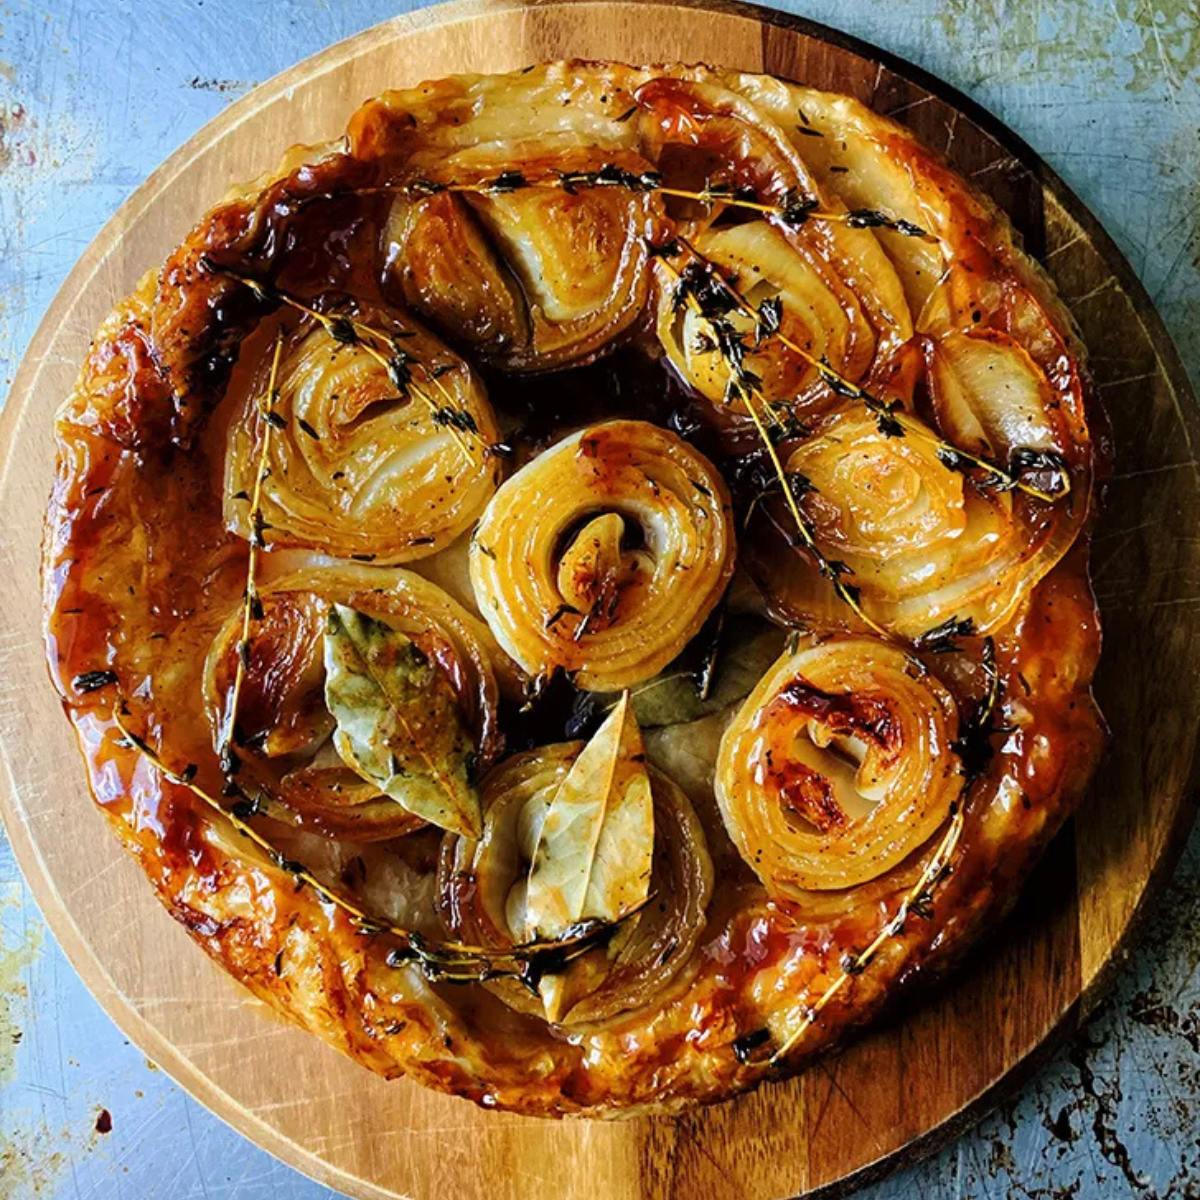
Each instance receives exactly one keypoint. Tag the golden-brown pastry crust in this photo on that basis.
(140, 570)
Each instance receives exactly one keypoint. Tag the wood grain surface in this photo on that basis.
(894, 1092)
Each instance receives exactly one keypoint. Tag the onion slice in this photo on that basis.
(283, 729)
(824, 319)
(838, 765)
(704, 135)
(924, 543)
(604, 555)
(530, 277)
(482, 885)
(378, 446)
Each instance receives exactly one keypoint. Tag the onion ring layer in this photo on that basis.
(838, 765)
(378, 446)
(924, 544)
(604, 555)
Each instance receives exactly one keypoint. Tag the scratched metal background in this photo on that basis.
(94, 94)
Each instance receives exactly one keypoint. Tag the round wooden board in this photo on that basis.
(897, 1091)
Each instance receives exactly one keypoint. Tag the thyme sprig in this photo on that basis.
(440, 961)
(796, 208)
(974, 743)
(917, 901)
(385, 349)
(252, 605)
(890, 418)
(975, 751)
(745, 385)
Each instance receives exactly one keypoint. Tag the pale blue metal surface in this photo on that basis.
(94, 94)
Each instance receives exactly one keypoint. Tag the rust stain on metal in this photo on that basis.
(16, 147)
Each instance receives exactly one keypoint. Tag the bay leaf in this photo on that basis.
(398, 721)
(595, 848)
(687, 752)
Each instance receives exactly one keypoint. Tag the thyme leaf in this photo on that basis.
(93, 681)
(455, 418)
(508, 181)
(941, 638)
(252, 609)
(744, 1046)
(974, 744)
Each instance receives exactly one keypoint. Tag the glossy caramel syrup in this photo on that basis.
(140, 573)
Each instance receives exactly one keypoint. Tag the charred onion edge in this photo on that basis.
(440, 962)
(347, 331)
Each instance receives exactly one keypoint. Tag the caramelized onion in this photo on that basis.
(1002, 375)
(482, 883)
(863, 160)
(704, 135)
(838, 765)
(924, 543)
(825, 321)
(283, 729)
(439, 261)
(604, 555)
(530, 277)
(361, 461)
(989, 396)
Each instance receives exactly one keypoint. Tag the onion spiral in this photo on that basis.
(604, 555)
(283, 730)
(482, 884)
(362, 460)
(838, 765)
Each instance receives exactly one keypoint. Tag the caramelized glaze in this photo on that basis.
(142, 569)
